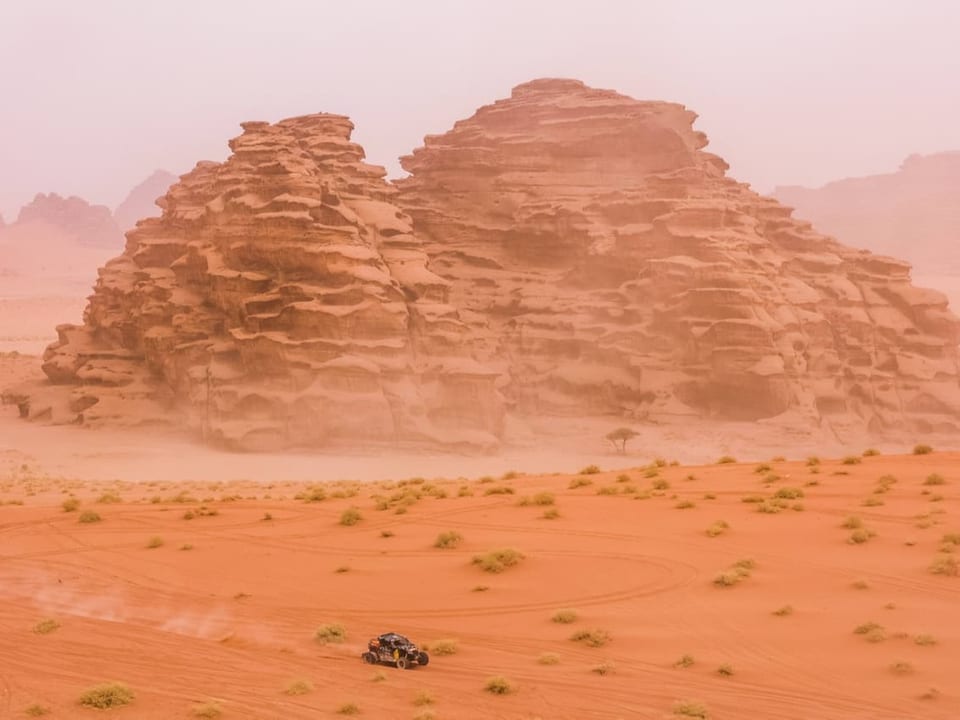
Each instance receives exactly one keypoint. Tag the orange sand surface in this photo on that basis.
(211, 592)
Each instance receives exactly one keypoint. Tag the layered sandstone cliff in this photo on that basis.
(280, 300)
(913, 213)
(605, 264)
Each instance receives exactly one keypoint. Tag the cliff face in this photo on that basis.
(913, 213)
(281, 299)
(141, 203)
(605, 264)
(91, 225)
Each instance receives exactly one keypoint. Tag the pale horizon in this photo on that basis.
(97, 96)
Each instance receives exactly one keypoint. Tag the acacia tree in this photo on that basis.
(619, 438)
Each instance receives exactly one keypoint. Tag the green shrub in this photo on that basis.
(448, 540)
(497, 561)
(107, 695)
(330, 633)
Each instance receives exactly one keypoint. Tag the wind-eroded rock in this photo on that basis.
(606, 265)
(280, 300)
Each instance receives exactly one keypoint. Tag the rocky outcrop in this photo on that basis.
(913, 213)
(605, 264)
(141, 203)
(280, 300)
(90, 225)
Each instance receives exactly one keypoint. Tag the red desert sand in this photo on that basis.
(801, 589)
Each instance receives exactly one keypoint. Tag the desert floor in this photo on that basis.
(206, 597)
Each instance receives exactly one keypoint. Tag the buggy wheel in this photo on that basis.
(369, 658)
(402, 663)
(423, 659)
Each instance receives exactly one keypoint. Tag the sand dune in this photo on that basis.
(231, 619)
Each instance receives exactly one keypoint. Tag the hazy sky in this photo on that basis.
(95, 94)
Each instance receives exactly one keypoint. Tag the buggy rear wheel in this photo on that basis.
(369, 658)
(402, 663)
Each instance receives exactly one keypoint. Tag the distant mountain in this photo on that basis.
(913, 213)
(90, 225)
(142, 200)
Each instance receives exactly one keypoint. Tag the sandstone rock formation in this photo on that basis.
(141, 203)
(913, 213)
(605, 264)
(91, 225)
(280, 300)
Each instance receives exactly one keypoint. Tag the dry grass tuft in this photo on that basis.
(591, 638)
(46, 626)
(107, 695)
(564, 617)
(298, 687)
(448, 540)
(496, 561)
(498, 685)
(548, 658)
(330, 633)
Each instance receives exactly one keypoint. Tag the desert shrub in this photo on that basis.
(728, 578)
(590, 470)
(717, 528)
(873, 632)
(186, 546)
(378, 676)
(312, 494)
(853, 522)
(107, 695)
(852, 460)
(46, 626)
(564, 617)
(945, 565)
(623, 478)
(298, 687)
(89, 516)
(901, 668)
(745, 564)
(951, 538)
(350, 516)
(108, 498)
(423, 697)
(387, 533)
(784, 611)
(752, 499)
(207, 710)
(447, 646)
(872, 502)
(70, 504)
(813, 461)
(934, 479)
(788, 493)
(604, 668)
(691, 709)
(860, 536)
(925, 639)
(425, 714)
(341, 569)
(685, 661)
(725, 670)
(608, 490)
(660, 484)
(548, 658)
(541, 499)
(726, 460)
(922, 449)
(479, 588)
(762, 468)
(579, 482)
(651, 472)
(448, 540)
(155, 542)
(498, 685)
(685, 505)
(860, 584)
(591, 638)
(550, 514)
(499, 490)
(330, 633)
(497, 561)
(36, 710)
(871, 452)
(464, 491)
(348, 708)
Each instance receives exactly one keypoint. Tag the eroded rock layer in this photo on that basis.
(606, 264)
(280, 300)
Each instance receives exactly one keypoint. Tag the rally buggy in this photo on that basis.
(396, 650)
